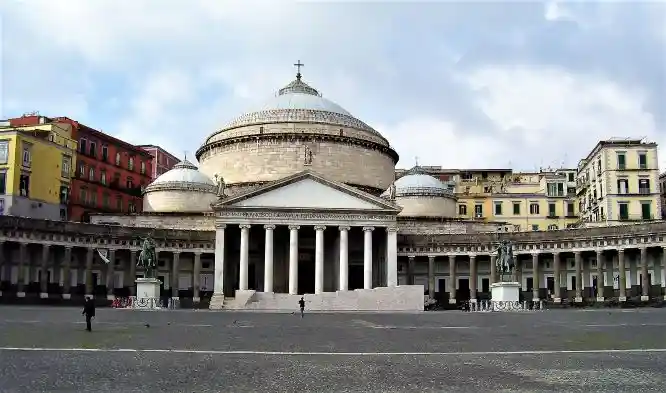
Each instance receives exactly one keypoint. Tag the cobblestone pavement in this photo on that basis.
(47, 349)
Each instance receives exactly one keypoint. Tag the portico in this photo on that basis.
(303, 235)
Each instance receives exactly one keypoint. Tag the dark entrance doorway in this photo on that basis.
(161, 278)
(463, 289)
(550, 284)
(252, 276)
(355, 277)
(306, 275)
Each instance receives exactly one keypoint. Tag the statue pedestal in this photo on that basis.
(505, 296)
(147, 294)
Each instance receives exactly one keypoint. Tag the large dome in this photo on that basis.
(298, 129)
(182, 189)
(422, 195)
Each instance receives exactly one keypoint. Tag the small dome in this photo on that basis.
(183, 176)
(418, 183)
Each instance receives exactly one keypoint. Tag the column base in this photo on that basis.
(473, 301)
(452, 301)
(0, 293)
(110, 297)
(20, 294)
(43, 295)
(645, 298)
(66, 296)
(216, 302)
(557, 300)
(600, 299)
(196, 299)
(578, 300)
(175, 298)
(536, 299)
(622, 299)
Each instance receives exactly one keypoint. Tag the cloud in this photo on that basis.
(458, 85)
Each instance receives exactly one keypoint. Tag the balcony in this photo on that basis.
(552, 215)
(644, 191)
(636, 217)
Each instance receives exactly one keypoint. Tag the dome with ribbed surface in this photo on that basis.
(183, 176)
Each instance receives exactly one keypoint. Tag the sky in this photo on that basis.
(462, 84)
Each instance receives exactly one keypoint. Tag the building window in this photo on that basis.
(570, 177)
(4, 152)
(516, 208)
(91, 174)
(116, 180)
(462, 210)
(83, 196)
(516, 228)
(130, 182)
(143, 168)
(624, 210)
(555, 189)
(105, 153)
(27, 156)
(82, 170)
(570, 209)
(642, 160)
(534, 208)
(66, 167)
(93, 198)
(478, 211)
(118, 159)
(3, 182)
(646, 210)
(131, 207)
(643, 186)
(64, 194)
(102, 177)
(552, 227)
(535, 227)
(551, 210)
(621, 161)
(119, 203)
(622, 186)
(83, 146)
(498, 208)
(93, 149)
(130, 164)
(24, 185)
(106, 200)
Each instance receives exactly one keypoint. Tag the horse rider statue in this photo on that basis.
(148, 257)
(505, 262)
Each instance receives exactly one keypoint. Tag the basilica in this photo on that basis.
(298, 198)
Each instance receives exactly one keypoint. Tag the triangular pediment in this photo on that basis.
(308, 190)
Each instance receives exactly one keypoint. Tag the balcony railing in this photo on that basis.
(636, 217)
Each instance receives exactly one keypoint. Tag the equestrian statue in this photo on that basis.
(505, 263)
(148, 258)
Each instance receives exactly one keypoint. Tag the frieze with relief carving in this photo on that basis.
(276, 215)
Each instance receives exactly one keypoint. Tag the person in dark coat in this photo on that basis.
(301, 303)
(89, 312)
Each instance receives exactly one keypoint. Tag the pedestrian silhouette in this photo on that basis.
(89, 312)
(301, 303)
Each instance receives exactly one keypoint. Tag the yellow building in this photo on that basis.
(36, 165)
(619, 182)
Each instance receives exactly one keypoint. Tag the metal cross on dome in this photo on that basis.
(298, 69)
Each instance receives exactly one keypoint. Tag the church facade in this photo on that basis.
(298, 198)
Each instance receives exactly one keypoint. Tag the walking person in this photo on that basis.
(89, 312)
(301, 303)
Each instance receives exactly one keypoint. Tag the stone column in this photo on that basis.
(410, 269)
(3, 265)
(623, 275)
(268, 258)
(645, 277)
(44, 280)
(367, 257)
(67, 273)
(217, 300)
(600, 276)
(392, 256)
(244, 257)
(110, 275)
(343, 283)
(663, 271)
(473, 279)
(431, 276)
(175, 276)
(132, 273)
(20, 284)
(319, 259)
(90, 285)
(196, 278)
(536, 277)
(493, 268)
(578, 258)
(293, 259)
(557, 296)
(452, 279)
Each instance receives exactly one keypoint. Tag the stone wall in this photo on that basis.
(420, 227)
(423, 206)
(195, 222)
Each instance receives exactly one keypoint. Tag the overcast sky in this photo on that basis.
(458, 84)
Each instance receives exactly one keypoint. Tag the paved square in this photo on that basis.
(47, 349)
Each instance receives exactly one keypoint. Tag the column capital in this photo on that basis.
(411, 256)
(245, 226)
(643, 249)
(452, 257)
(535, 254)
(133, 251)
(319, 227)
(432, 256)
(391, 229)
(620, 250)
(68, 248)
(269, 227)
(368, 229)
(294, 227)
(198, 254)
(578, 253)
(46, 245)
(472, 255)
(220, 226)
(344, 228)
(599, 251)
(176, 253)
